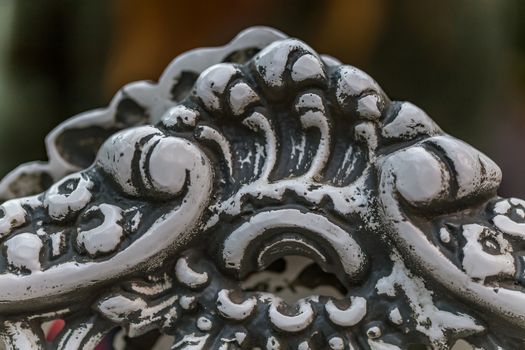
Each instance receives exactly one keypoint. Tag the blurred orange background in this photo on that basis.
(462, 61)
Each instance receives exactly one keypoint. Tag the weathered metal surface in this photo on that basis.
(261, 196)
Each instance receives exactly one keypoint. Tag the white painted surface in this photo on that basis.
(409, 122)
(336, 343)
(395, 316)
(480, 264)
(475, 171)
(367, 107)
(58, 243)
(18, 335)
(347, 317)
(187, 302)
(14, 215)
(168, 165)
(504, 222)
(353, 82)
(180, 114)
(241, 96)
(295, 323)
(106, 237)
(273, 344)
(509, 304)
(307, 67)
(189, 277)
(444, 235)
(350, 254)
(420, 176)
(169, 230)
(381, 345)
(212, 82)
(204, 324)
(271, 61)
(235, 311)
(205, 132)
(60, 204)
(116, 155)
(431, 321)
(23, 251)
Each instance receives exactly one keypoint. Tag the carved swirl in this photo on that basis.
(261, 196)
(190, 169)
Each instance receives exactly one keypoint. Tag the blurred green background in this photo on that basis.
(463, 61)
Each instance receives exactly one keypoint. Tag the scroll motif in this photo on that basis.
(261, 196)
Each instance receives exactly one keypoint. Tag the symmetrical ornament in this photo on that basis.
(261, 196)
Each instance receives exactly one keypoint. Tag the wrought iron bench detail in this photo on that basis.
(261, 195)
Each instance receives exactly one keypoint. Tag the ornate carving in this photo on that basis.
(261, 196)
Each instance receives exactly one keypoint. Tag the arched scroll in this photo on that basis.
(260, 195)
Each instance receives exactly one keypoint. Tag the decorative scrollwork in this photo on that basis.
(261, 196)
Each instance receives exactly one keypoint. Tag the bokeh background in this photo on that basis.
(462, 61)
